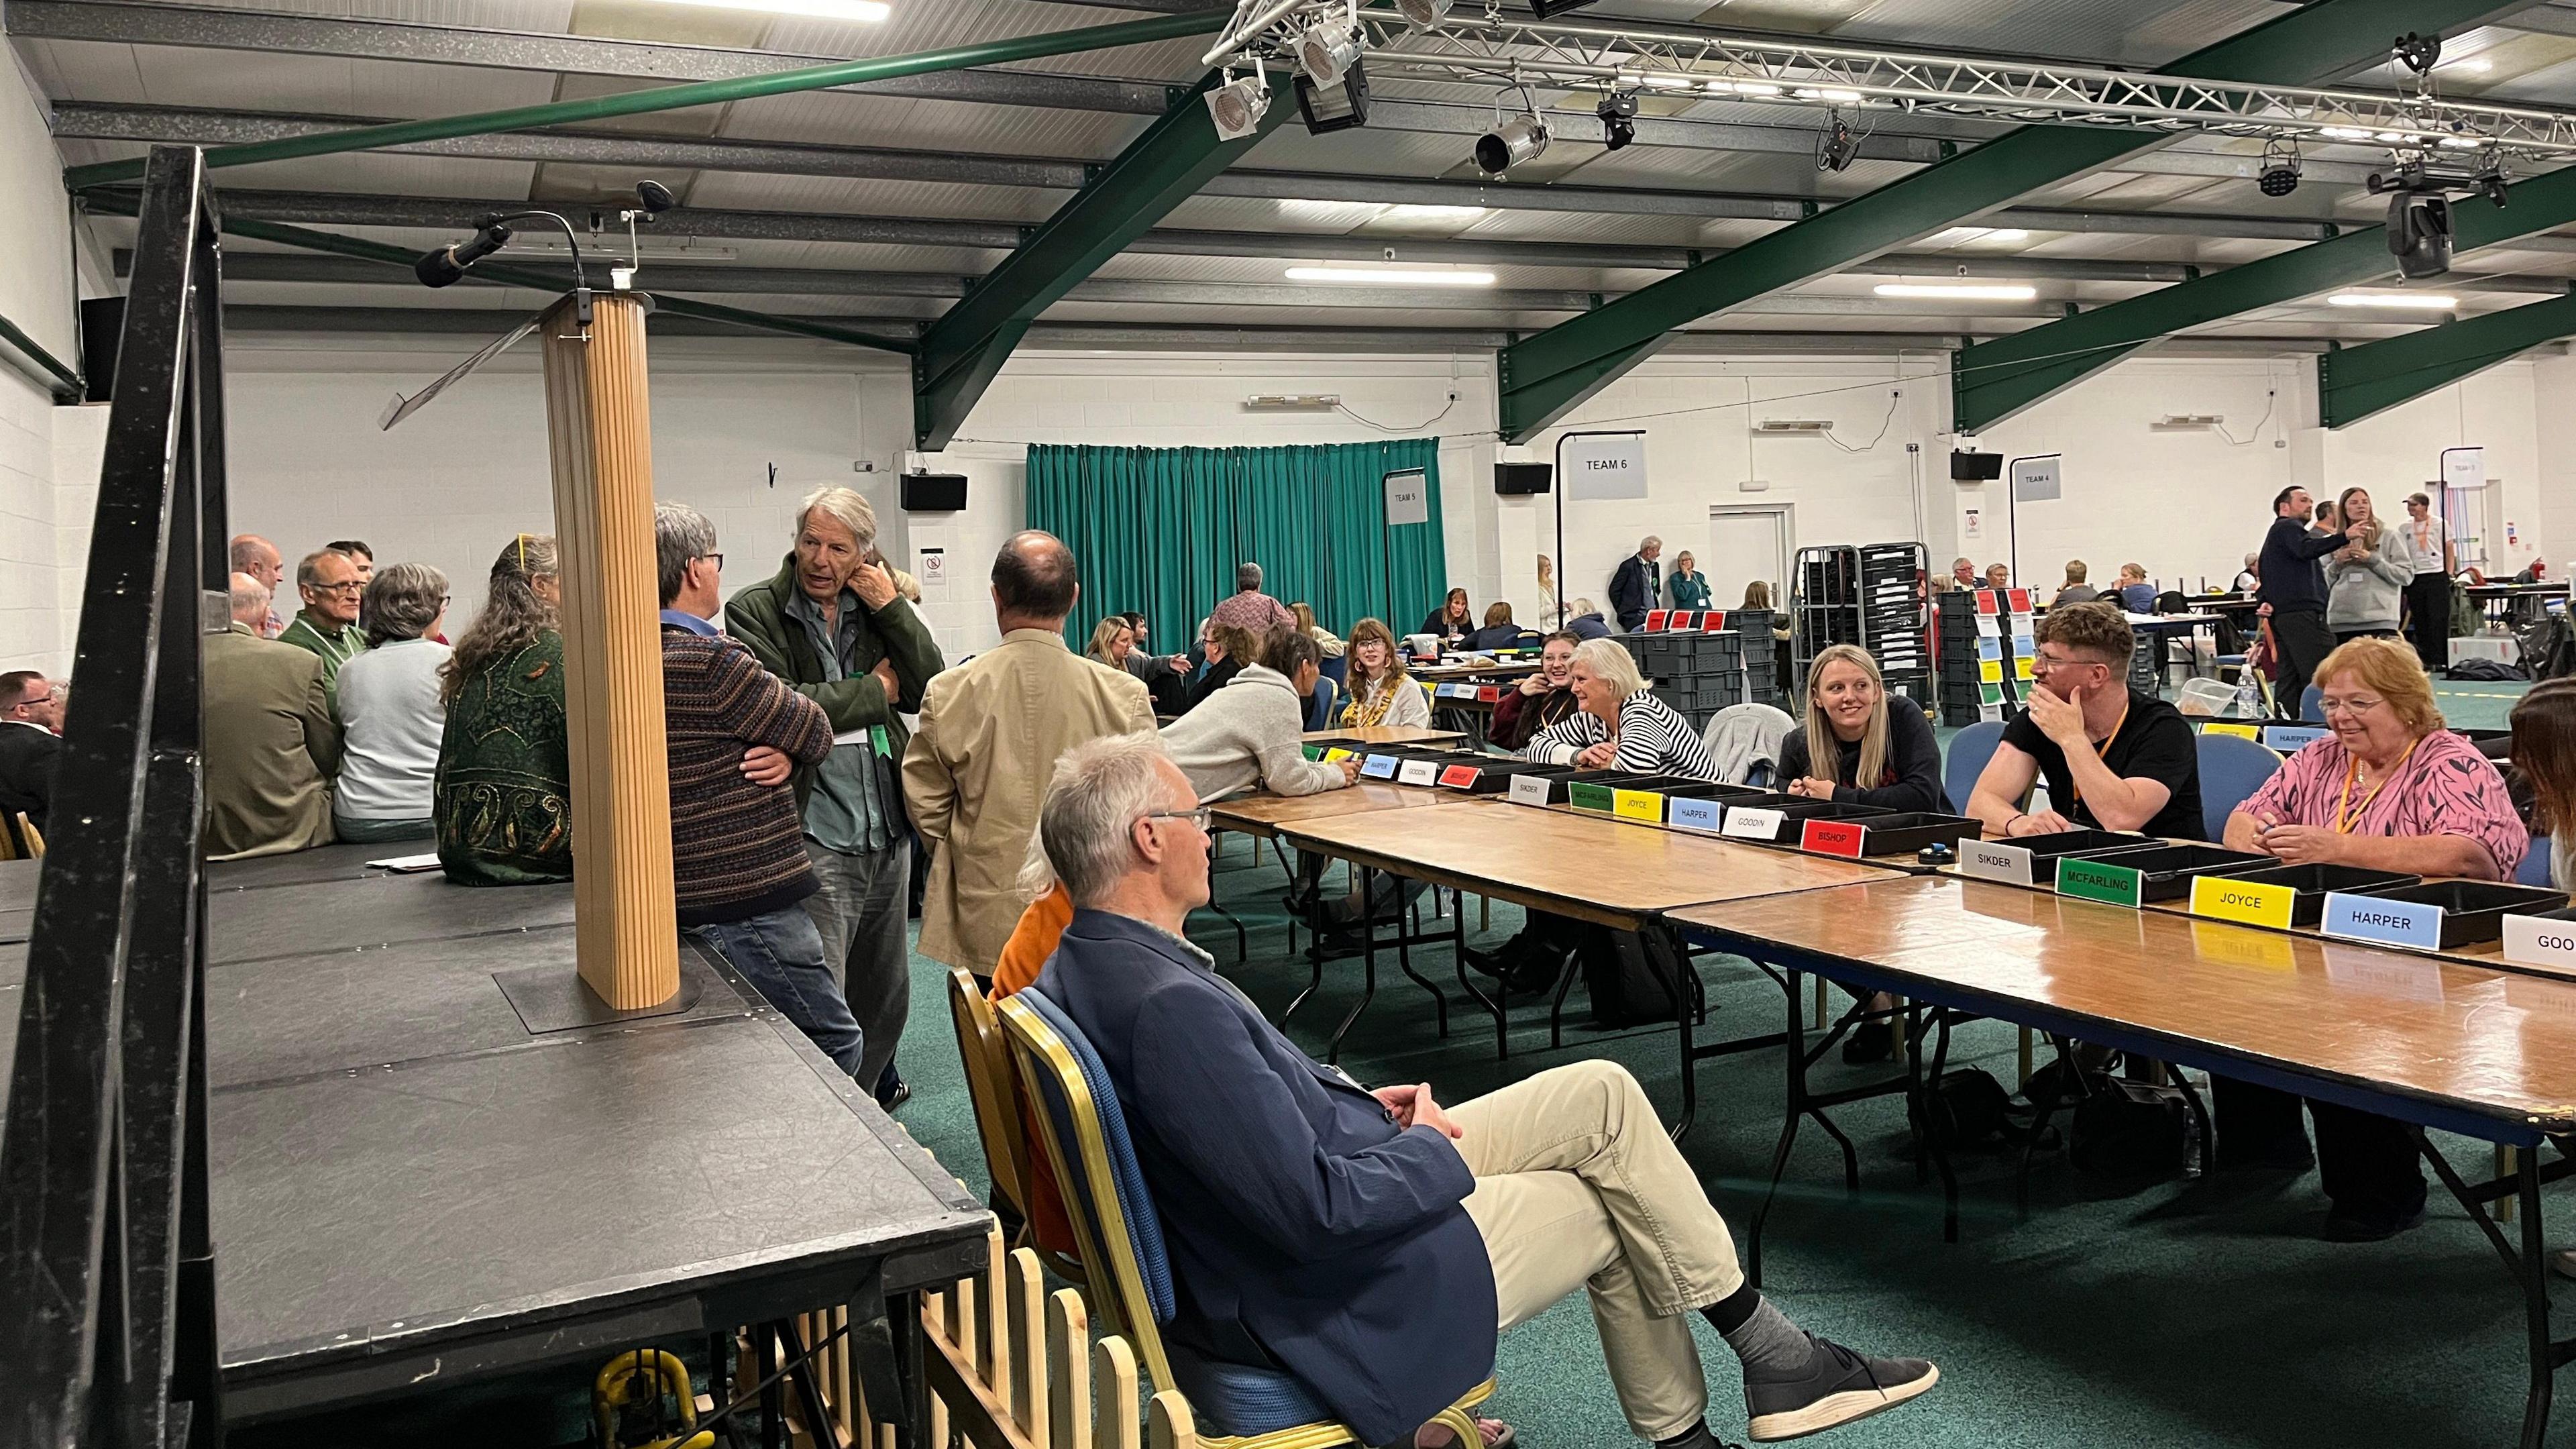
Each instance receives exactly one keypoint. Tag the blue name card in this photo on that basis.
(1457, 691)
(1692, 814)
(2290, 739)
(2415, 925)
(1380, 767)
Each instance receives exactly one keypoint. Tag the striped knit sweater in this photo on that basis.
(1652, 739)
(737, 849)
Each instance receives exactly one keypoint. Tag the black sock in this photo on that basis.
(1729, 1313)
(1697, 1434)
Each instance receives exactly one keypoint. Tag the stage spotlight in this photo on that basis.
(2418, 53)
(1838, 147)
(1422, 15)
(1325, 52)
(1618, 112)
(1237, 107)
(1336, 107)
(2419, 234)
(2280, 173)
(2491, 185)
(1519, 139)
(657, 198)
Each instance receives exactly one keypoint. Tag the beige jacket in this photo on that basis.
(271, 747)
(991, 731)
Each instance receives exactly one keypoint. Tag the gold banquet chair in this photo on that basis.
(1121, 1238)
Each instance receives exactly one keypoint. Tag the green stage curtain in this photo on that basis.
(1160, 530)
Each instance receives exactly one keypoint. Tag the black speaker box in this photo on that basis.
(1976, 467)
(1519, 480)
(933, 492)
(102, 322)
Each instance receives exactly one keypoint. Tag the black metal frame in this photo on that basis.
(107, 1282)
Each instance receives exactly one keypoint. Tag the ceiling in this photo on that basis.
(883, 206)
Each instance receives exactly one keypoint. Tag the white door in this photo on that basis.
(1744, 544)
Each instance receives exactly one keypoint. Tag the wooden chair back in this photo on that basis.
(993, 1085)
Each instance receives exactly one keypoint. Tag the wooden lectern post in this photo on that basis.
(626, 924)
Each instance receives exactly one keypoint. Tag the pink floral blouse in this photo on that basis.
(2445, 788)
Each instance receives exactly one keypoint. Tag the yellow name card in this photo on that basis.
(2241, 731)
(2243, 901)
(1332, 755)
(1646, 805)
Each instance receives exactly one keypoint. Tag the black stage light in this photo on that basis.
(2280, 173)
(1618, 114)
(1838, 147)
(1336, 107)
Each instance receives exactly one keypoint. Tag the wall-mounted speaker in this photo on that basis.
(102, 322)
(1976, 467)
(932, 492)
(1519, 480)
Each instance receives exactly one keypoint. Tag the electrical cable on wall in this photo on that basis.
(1894, 395)
(1415, 428)
(2271, 399)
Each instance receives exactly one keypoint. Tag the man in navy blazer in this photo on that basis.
(1637, 584)
(1372, 1243)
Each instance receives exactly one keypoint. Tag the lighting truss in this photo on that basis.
(1490, 47)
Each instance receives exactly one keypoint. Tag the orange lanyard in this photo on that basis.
(2101, 751)
(2346, 817)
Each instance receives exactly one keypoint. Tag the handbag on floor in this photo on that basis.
(1625, 982)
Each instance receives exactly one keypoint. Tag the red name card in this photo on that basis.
(1832, 837)
(1488, 693)
(1713, 622)
(1681, 621)
(2020, 601)
(1654, 619)
(1459, 777)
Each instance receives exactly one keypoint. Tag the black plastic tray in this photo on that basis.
(1494, 774)
(2474, 910)
(2314, 880)
(2086, 843)
(1794, 816)
(1908, 831)
(2165, 872)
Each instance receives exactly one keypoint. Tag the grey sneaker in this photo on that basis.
(1836, 1387)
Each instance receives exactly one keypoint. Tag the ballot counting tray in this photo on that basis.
(2308, 884)
(1488, 775)
(2031, 860)
(1409, 765)
(2434, 916)
(1786, 823)
(2159, 873)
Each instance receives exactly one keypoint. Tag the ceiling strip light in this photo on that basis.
(2417, 301)
(1963, 292)
(865, 11)
(1390, 277)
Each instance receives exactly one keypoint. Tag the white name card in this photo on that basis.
(1996, 860)
(2545, 942)
(1530, 789)
(1418, 772)
(1752, 824)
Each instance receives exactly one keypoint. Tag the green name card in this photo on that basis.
(2095, 880)
(1313, 752)
(1589, 797)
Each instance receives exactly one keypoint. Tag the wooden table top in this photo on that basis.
(1387, 735)
(1589, 867)
(2499, 1045)
(1261, 815)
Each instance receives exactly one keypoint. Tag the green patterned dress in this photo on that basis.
(503, 796)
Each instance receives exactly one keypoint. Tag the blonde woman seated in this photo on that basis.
(1381, 692)
(1619, 724)
(1324, 640)
(2389, 789)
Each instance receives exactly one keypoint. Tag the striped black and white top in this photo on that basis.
(1652, 740)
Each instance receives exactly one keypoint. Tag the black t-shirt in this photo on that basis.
(1913, 778)
(2154, 743)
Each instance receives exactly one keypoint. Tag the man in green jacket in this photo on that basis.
(327, 626)
(271, 745)
(832, 625)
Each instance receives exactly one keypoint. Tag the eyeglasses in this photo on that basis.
(2044, 663)
(1202, 817)
(2332, 707)
(353, 586)
(714, 558)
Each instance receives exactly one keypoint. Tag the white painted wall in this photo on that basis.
(36, 293)
(456, 481)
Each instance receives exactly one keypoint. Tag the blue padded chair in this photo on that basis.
(1320, 708)
(2310, 709)
(2534, 870)
(1121, 1238)
(2232, 768)
(1970, 749)
(1336, 668)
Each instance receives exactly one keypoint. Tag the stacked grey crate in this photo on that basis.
(1696, 674)
(1893, 617)
(1958, 643)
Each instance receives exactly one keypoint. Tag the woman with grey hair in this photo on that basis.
(391, 712)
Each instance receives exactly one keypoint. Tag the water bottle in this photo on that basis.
(2249, 701)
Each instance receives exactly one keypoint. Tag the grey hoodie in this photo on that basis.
(2366, 593)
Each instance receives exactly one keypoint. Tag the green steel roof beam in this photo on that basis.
(1548, 374)
(1160, 169)
(672, 98)
(533, 277)
(2355, 382)
(1991, 381)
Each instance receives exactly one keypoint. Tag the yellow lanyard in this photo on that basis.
(2346, 817)
(2101, 751)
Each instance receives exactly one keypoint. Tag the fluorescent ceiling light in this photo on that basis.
(2473, 64)
(2344, 133)
(867, 11)
(1832, 97)
(2418, 301)
(1391, 276)
(1426, 211)
(1959, 292)
(2005, 234)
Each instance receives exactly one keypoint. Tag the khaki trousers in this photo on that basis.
(1577, 1185)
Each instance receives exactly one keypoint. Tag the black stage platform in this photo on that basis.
(411, 1188)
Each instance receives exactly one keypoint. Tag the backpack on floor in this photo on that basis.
(2548, 648)
(1967, 1107)
(1624, 973)
(2492, 671)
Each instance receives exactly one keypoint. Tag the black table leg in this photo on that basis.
(1404, 949)
(1790, 982)
(1368, 967)
(1935, 1126)
(2535, 1301)
(1492, 1004)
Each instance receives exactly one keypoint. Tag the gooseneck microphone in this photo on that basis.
(446, 266)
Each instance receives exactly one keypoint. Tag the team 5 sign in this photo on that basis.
(1603, 465)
